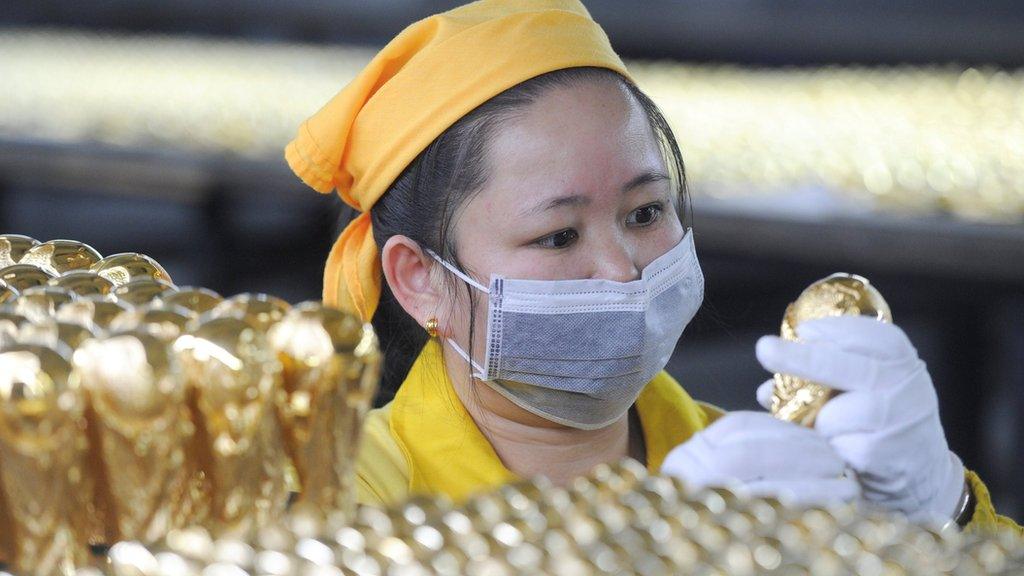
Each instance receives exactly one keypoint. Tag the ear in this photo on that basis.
(407, 271)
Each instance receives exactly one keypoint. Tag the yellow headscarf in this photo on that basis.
(433, 73)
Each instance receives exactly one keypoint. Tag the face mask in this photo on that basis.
(578, 352)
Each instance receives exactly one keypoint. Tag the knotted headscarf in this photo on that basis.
(433, 73)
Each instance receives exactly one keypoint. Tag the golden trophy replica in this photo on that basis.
(260, 310)
(13, 247)
(142, 291)
(40, 303)
(83, 283)
(198, 300)
(24, 276)
(59, 256)
(43, 475)
(8, 292)
(164, 321)
(799, 400)
(127, 266)
(331, 366)
(234, 378)
(139, 423)
(95, 312)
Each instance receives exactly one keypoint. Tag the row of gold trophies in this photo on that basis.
(152, 430)
(130, 407)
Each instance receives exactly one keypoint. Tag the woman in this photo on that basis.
(524, 203)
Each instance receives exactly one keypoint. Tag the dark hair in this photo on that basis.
(424, 200)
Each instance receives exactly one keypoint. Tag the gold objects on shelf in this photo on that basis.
(60, 256)
(330, 371)
(260, 310)
(83, 283)
(160, 319)
(140, 423)
(125, 267)
(234, 378)
(43, 475)
(142, 290)
(198, 300)
(23, 276)
(799, 400)
(13, 247)
(95, 312)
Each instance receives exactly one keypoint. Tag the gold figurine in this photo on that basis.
(798, 400)
(142, 428)
(60, 256)
(198, 300)
(331, 371)
(95, 312)
(83, 283)
(43, 476)
(22, 276)
(40, 303)
(127, 266)
(160, 319)
(260, 310)
(234, 378)
(7, 292)
(13, 247)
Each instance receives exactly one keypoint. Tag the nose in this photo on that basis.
(615, 261)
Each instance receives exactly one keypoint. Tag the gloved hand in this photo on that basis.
(886, 423)
(767, 456)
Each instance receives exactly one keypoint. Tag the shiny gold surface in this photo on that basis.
(13, 247)
(8, 292)
(234, 379)
(94, 312)
(260, 310)
(125, 267)
(83, 283)
(798, 400)
(42, 459)
(197, 299)
(22, 276)
(142, 291)
(143, 430)
(60, 256)
(331, 366)
(160, 319)
(40, 303)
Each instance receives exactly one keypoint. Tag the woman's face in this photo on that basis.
(577, 188)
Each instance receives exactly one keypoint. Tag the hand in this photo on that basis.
(886, 423)
(765, 455)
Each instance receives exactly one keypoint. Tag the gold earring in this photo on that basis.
(432, 327)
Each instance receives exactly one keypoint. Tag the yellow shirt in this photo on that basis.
(424, 441)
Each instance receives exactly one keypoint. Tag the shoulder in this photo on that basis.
(382, 473)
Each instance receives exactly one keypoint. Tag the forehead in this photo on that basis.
(585, 137)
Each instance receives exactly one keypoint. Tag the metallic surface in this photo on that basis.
(60, 256)
(127, 266)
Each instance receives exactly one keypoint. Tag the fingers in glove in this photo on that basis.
(764, 393)
(808, 492)
(860, 335)
(820, 362)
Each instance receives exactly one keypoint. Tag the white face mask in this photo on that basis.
(578, 352)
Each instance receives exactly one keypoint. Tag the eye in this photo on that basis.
(645, 215)
(560, 239)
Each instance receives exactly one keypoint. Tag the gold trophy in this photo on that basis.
(140, 424)
(40, 303)
(198, 300)
(127, 266)
(798, 400)
(7, 292)
(43, 473)
(160, 319)
(143, 291)
(233, 379)
(13, 247)
(22, 276)
(95, 312)
(260, 310)
(83, 283)
(331, 371)
(60, 256)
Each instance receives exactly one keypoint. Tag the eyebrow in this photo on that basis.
(579, 200)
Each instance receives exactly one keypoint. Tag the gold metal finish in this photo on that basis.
(235, 379)
(432, 327)
(83, 283)
(8, 292)
(60, 256)
(799, 400)
(141, 422)
(198, 300)
(260, 310)
(331, 366)
(13, 247)
(142, 291)
(23, 276)
(40, 303)
(160, 319)
(94, 312)
(125, 267)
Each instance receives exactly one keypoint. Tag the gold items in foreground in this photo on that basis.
(799, 400)
(130, 409)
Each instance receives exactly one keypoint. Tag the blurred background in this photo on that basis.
(881, 138)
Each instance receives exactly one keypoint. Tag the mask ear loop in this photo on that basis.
(479, 374)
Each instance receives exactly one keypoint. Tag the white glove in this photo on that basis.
(766, 456)
(886, 425)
